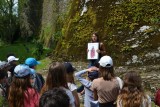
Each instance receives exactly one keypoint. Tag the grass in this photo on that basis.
(44, 64)
(21, 51)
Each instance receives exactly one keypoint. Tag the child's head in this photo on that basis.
(69, 70)
(93, 75)
(3, 76)
(132, 92)
(132, 80)
(12, 60)
(54, 98)
(4, 66)
(106, 67)
(3, 72)
(56, 76)
(22, 76)
(21, 81)
(32, 62)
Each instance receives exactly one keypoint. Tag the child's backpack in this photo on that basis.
(157, 98)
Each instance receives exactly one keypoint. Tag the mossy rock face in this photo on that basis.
(129, 30)
(54, 15)
(78, 28)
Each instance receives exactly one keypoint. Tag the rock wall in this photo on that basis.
(130, 32)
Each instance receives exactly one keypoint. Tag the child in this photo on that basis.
(12, 61)
(56, 78)
(70, 82)
(3, 91)
(106, 88)
(157, 98)
(132, 93)
(21, 93)
(54, 98)
(92, 74)
(39, 80)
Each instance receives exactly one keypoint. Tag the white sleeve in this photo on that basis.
(71, 101)
(72, 86)
(149, 101)
(120, 82)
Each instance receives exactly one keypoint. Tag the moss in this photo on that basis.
(46, 35)
(78, 29)
(115, 24)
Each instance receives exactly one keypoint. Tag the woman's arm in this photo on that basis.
(95, 95)
(103, 49)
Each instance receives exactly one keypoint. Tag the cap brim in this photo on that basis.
(16, 59)
(38, 62)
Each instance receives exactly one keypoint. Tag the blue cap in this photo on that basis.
(22, 71)
(93, 74)
(69, 67)
(31, 62)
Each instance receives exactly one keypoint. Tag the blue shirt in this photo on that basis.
(88, 98)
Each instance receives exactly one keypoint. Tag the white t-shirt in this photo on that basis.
(69, 93)
(72, 86)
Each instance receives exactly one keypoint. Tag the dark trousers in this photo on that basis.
(80, 88)
(109, 104)
(93, 62)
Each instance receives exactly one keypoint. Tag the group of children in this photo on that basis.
(22, 86)
(20, 83)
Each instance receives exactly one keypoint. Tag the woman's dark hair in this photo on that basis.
(107, 73)
(56, 77)
(16, 91)
(96, 34)
(3, 74)
(54, 98)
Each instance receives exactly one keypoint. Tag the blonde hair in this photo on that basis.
(132, 94)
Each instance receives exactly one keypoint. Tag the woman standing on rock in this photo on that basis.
(132, 94)
(101, 51)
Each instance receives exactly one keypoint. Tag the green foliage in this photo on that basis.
(8, 21)
(21, 50)
(43, 65)
(38, 51)
(3, 102)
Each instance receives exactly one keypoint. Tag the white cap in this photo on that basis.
(12, 58)
(106, 61)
